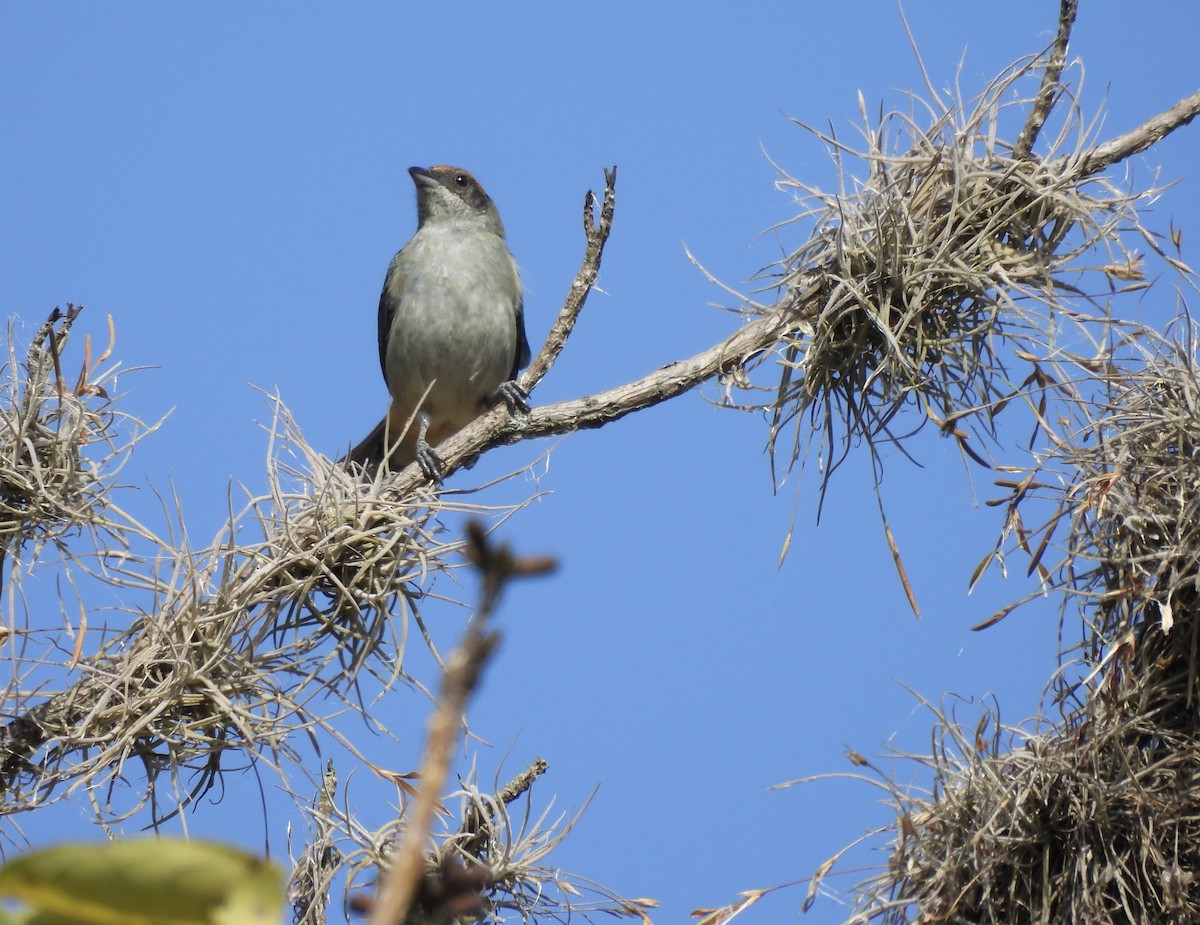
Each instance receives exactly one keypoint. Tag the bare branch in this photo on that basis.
(1051, 81)
(401, 885)
(400, 890)
(597, 236)
(1133, 142)
(498, 428)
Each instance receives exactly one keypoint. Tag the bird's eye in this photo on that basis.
(461, 179)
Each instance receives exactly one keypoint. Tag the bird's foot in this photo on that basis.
(430, 462)
(512, 395)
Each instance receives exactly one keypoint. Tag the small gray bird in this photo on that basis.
(451, 324)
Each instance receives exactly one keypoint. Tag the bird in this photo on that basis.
(451, 324)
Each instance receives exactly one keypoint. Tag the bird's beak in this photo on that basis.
(421, 176)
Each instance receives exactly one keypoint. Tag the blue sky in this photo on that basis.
(228, 181)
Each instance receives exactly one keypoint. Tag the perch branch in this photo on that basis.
(497, 428)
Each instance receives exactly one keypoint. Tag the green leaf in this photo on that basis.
(145, 882)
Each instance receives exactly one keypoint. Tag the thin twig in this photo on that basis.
(596, 235)
(400, 889)
(402, 883)
(478, 821)
(1051, 81)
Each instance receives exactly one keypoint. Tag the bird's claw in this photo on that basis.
(430, 462)
(515, 397)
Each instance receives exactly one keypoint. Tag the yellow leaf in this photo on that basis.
(147, 882)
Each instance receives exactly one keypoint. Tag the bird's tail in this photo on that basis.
(373, 450)
(370, 451)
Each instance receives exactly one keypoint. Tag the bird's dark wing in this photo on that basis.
(387, 312)
(523, 353)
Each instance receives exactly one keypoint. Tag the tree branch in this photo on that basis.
(1051, 86)
(400, 890)
(1146, 135)
(400, 886)
(597, 235)
(497, 427)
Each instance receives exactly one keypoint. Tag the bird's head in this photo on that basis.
(450, 195)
